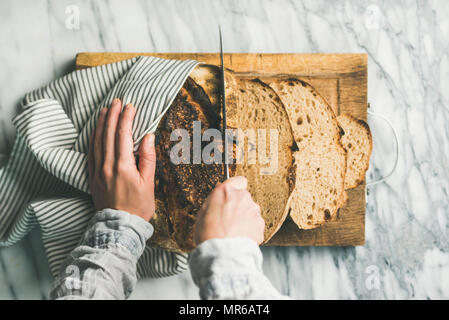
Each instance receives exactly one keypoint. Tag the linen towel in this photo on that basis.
(44, 181)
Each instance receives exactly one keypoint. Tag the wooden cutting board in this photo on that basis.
(340, 78)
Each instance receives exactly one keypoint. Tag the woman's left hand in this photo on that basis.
(115, 180)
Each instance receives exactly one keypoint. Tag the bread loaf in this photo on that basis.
(317, 156)
(184, 187)
(163, 231)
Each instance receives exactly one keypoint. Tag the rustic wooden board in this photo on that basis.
(340, 78)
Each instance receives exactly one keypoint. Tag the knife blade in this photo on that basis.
(223, 107)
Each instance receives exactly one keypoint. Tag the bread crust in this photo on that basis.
(184, 187)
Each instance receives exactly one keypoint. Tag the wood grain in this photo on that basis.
(340, 78)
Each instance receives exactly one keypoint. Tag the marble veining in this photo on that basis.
(407, 249)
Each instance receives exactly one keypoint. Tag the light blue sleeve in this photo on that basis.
(103, 266)
(231, 268)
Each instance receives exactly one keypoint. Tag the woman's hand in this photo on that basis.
(228, 212)
(115, 180)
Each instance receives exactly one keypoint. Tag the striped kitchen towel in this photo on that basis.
(44, 181)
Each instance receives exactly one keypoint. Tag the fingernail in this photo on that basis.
(115, 101)
(129, 106)
(151, 140)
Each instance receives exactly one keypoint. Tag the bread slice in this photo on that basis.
(319, 192)
(358, 143)
(252, 104)
(320, 160)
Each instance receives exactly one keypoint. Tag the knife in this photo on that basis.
(223, 107)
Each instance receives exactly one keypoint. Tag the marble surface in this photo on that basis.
(406, 255)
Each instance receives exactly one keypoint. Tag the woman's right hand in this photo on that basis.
(229, 211)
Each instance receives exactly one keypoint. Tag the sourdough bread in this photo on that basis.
(253, 105)
(163, 232)
(184, 187)
(207, 77)
(320, 160)
(358, 143)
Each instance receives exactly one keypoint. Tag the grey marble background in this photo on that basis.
(407, 251)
